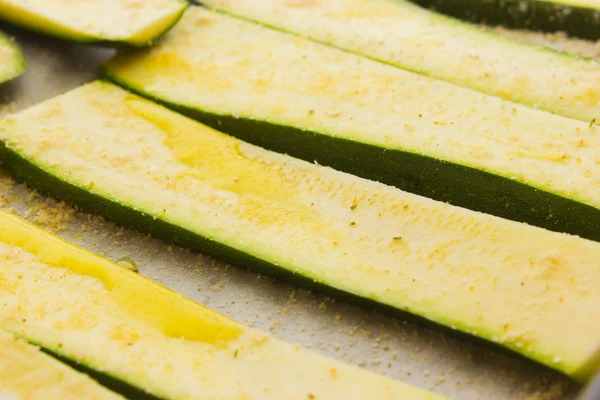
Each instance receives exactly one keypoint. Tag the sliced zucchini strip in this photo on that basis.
(399, 33)
(111, 152)
(419, 134)
(132, 22)
(12, 62)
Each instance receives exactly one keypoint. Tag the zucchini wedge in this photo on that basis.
(28, 374)
(426, 136)
(143, 166)
(132, 22)
(110, 319)
(12, 63)
(580, 18)
(404, 35)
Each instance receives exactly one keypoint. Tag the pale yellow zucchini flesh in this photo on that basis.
(531, 290)
(217, 65)
(28, 374)
(12, 63)
(108, 318)
(402, 34)
(133, 22)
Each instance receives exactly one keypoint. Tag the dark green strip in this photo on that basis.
(114, 384)
(544, 16)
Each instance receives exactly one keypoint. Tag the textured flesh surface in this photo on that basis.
(134, 21)
(11, 59)
(222, 65)
(71, 301)
(467, 270)
(407, 36)
(28, 374)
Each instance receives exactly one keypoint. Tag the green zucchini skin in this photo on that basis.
(115, 384)
(544, 16)
(27, 172)
(426, 176)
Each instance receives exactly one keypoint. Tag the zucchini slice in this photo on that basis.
(28, 374)
(132, 22)
(85, 308)
(579, 18)
(422, 135)
(12, 63)
(402, 34)
(146, 167)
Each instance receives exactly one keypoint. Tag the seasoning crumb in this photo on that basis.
(128, 263)
(275, 325)
(333, 373)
